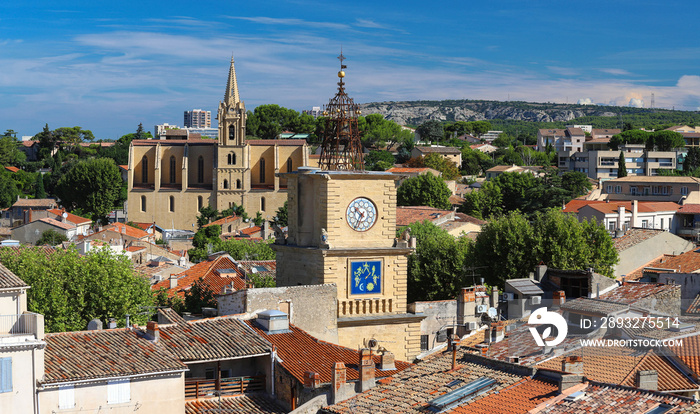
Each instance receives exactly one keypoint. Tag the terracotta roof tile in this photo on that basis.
(611, 399)
(519, 398)
(35, 202)
(619, 365)
(688, 262)
(251, 230)
(642, 207)
(301, 352)
(252, 403)
(9, 280)
(406, 215)
(215, 338)
(440, 150)
(631, 292)
(469, 219)
(128, 230)
(225, 220)
(56, 223)
(12, 169)
(694, 307)
(633, 237)
(409, 170)
(209, 272)
(74, 356)
(70, 217)
(689, 353)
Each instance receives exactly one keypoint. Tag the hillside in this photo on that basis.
(505, 114)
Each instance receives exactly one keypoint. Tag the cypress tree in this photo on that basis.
(621, 167)
(39, 191)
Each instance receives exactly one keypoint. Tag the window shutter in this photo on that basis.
(118, 391)
(5, 374)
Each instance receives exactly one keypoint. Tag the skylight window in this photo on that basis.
(660, 409)
(462, 394)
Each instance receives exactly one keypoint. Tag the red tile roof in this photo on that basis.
(642, 207)
(225, 220)
(689, 353)
(470, 219)
(408, 170)
(135, 248)
(522, 396)
(127, 230)
(689, 209)
(440, 150)
(619, 365)
(301, 352)
(12, 169)
(210, 339)
(35, 202)
(632, 292)
(633, 237)
(208, 271)
(9, 279)
(406, 215)
(56, 223)
(249, 231)
(611, 399)
(75, 356)
(77, 220)
(249, 403)
(688, 262)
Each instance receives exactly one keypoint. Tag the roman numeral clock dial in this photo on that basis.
(361, 214)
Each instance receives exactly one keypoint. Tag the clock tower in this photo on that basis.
(342, 230)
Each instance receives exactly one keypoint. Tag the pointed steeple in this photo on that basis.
(231, 98)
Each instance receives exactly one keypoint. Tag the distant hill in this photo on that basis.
(522, 115)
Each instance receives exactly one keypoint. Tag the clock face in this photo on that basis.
(361, 214)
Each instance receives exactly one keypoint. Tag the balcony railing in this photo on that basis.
(25, 324)
(196, 388)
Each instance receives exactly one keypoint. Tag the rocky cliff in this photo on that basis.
(417, 112)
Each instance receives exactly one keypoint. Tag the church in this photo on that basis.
(169, 180)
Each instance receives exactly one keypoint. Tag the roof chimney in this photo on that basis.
(152, 330)
(366, 370)
(648, 380)
(312, 380)
(558, 298)
(173, 281)
(339, 378)
(572, 364)
(387, 361)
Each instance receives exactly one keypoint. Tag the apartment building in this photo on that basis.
(677, 189)
(197, 118)
(604, 164)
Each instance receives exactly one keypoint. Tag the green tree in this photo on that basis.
(39, 190)
(379, 132)
(632, 136)
(621, 166)
(174, 302)
(93, 186)
(446, 167)
(424, 190)
(249, 249)
(484, 203)
(70, 289)
(692, 160)
(576, 183)
(479, 128)
(199, 296)
(51, 238)
(430, 131)
(378, 160)
(510, 246)
(258, 219)
(281, 218)
(10, 154)
(8, 190)
(665, 140)
(436, 270)
(73, 136)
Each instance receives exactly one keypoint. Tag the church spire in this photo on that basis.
(231, 97)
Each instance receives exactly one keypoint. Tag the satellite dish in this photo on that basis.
(150, 230)
(493, 313)
(64, 215)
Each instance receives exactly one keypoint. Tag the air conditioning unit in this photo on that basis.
(482, 308)
(508, 296)
(536, 300)
(472, 325)
(157, 278)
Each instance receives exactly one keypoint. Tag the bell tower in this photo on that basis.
(341, 230)
(231, 114)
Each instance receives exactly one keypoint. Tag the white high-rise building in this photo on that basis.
(197, 118)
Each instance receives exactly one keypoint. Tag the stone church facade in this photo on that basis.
(169, 180)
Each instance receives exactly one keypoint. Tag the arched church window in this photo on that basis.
(289, 165)
(172, 169)
(232, 133)
(144, 169)
(238, 184)
(262, 170)
(200, 170)
(225, 184)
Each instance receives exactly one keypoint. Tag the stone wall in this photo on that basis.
(311, 308)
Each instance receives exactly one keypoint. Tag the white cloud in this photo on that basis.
(636, 103)
(585, 101)
(614, 71)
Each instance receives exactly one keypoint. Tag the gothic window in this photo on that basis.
(143, 204)
(144, 169)
(225, 184)
(200, 203)
(172, 204)
(289, 164)
(262, 170)
(229, 159)
(262, 203)
(200, 170)
(233, 158)
(238, 184)
(172, 169)
(232, 133)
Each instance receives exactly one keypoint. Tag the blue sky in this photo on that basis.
(107, 66)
